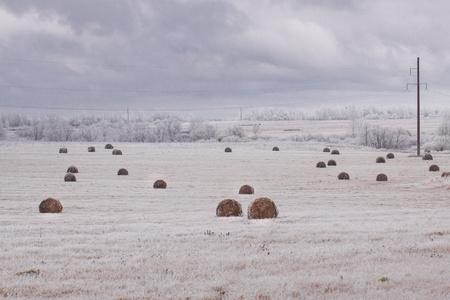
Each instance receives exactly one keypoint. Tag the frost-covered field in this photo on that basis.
(117, 237)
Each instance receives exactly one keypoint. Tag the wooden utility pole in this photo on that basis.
(418, 102)
(418, 108)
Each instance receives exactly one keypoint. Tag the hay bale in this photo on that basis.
(445, 174)
(331, 163)
(343, 176)
(62, 150)
(159, 184)
(326, 149)
(434, 168)
(70, 177)
(72, 169)
(227, 149)
(229, 208)
(50, 205)
(390, 156)
(109, 146)
(380, 160)
(122, 172)
(275, 149)
(116, 152)
(427, 157)
(91, 149)
(321, 164)
(246, 189)
(382, 177)
(262, 208)
(335, 152)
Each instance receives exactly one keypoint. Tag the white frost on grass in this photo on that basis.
(119, 237)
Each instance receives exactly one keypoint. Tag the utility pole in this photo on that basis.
(418, 102)
(418, 108)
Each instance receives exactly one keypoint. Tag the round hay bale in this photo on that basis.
(390, 156)
(91, 149)
(70, 177)
(445, 174)
(122, 171)
(434, 168)
(321, 164)
(246, 189)
(116, 152)
(62, 150)
(50, 205)
(326, 149)
(335, 152)
(427, 156)
(380, 160)
(343, 176)
(227, 149)
(331, 163)
(229, 208)
(382, 177)
(72, 169)
(159, 184)
(109, 146)
(262, 208)
(275, 149)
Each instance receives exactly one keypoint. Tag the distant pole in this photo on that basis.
(418, 109)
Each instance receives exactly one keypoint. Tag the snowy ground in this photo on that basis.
(117, 237)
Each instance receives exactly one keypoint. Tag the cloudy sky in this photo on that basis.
(221, 54)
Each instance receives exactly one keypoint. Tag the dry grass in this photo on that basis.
(321, 164)
(382, 177)
(343, 176)
(70, 177)
(72, 169)
(246, 189)
(380, 160)
(262, 208)
(229, 208)
(50, 205)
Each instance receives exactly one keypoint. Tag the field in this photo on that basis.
(117, 237)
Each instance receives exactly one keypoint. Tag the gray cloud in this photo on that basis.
(168, 54)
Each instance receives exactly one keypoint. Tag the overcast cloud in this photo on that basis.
(181, 54)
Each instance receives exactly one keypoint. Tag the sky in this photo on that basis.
(220, 55)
